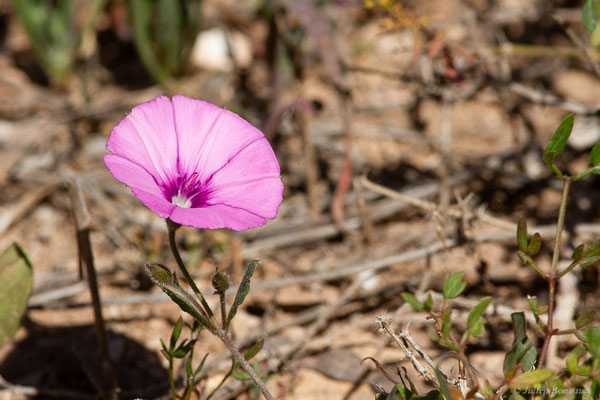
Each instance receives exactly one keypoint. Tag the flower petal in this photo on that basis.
(158, 204)
(217, 216)
(141, 183)
(249, 181)
(208, 136)
(147, 137)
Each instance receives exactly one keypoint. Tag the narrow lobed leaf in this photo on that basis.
(243, 290)
(188, 368)
(248, 355)
(199, 368)
(559, 139)
(176, 333)
(442, 385)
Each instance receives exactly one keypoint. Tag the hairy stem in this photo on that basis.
(239, 358)
(223, 310)
(172, 228)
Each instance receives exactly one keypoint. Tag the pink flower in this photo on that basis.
(196, 164)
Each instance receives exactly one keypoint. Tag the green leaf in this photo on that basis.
(559, 140)
(478, 327)
(400, 392)
(522, 351)
(199, 368)
(532, 303)
(241, 375)
(477, 312)
(446, 323)
(595, 389)
(573, 357)
(254, 350)
(180, 352)
(592, 336)
(167, 355)
(585, 319)
(176, 333)
(413, 301)
(243, 290)
(588, 14)
(578, 252)
(429, 302)
(432, 395)
(591, 254)
(163, 33)
(534, 245)
(442, 385)
(188, 367)
(531, 378)
(572, 363)
(595, 155)
(164, 346)
(584, 370)
(522, 235)
(454, 285)
(16, 281)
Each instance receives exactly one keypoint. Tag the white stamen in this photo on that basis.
(181, 201)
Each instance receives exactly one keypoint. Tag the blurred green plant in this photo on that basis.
(164, 32)
(590, 12)
(524, 369)
(16, 281)
(54, 37)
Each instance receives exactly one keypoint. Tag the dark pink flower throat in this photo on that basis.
(187, 191)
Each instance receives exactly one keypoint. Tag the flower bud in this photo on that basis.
(220, 282)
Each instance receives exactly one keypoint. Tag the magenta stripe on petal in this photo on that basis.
(196, 163)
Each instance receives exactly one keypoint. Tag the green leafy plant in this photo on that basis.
(525, 372)
(16, 282)
(54, 36)
(164, 32)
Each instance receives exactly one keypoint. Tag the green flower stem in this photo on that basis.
(227, 375)
(239, 358)
(552, 277)
(223, 310)
(172, 228)
(172, 378)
